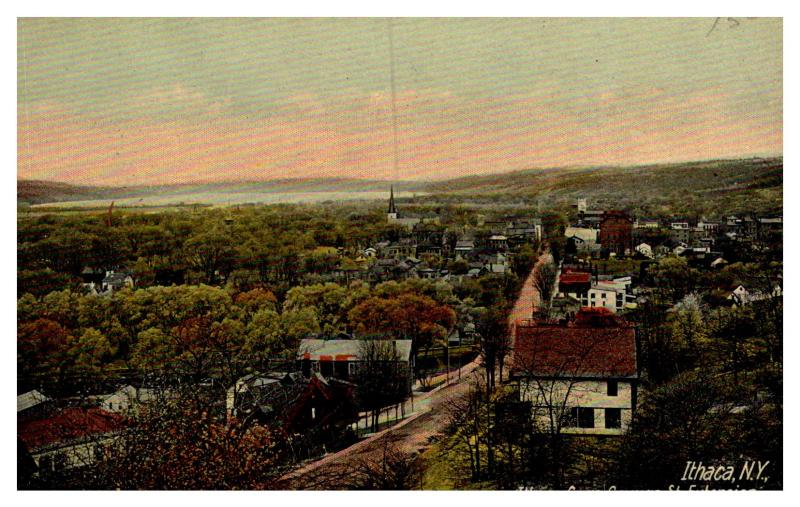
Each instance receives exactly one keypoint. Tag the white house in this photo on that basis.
(645, 249)
(115, 281)
(585, 238)
(740, 296)
(127, 398)
(32, 403)
(580, 377)
(71, 438)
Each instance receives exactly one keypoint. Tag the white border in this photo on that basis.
(406, 8)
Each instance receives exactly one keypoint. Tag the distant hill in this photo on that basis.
(747, 185)
(696, 187)
(41, 192)
(37, 192)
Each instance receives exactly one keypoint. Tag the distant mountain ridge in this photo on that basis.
(41, 192)
(759, 177)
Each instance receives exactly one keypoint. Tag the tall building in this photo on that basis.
(616, 232)
(394, 217)
(391, 216)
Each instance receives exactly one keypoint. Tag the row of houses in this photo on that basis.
(316, 393)
(615, 232)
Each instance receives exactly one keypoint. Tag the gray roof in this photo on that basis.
(116, 278)
(316, 348)
(30, 400)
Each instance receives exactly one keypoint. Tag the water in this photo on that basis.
(228, 198)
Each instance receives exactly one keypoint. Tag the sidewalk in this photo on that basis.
(419, 400)
(422, 404)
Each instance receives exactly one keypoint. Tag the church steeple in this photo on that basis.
(391, 216)
(392, 207)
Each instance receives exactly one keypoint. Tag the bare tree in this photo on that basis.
(545, 276)
(553, 375)
(381, 377)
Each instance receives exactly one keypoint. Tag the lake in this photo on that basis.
(228, 199)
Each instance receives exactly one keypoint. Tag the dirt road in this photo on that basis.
(410, 435)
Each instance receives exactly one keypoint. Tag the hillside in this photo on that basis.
(40, 192)
(696, 187)
(37, 192)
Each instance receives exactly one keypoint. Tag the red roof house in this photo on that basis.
(574, 282)
(596, 344)
(67, 425)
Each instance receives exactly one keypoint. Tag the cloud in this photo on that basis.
(175, 134)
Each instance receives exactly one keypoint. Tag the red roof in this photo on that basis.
(68, 424)
(584, 348)
(575, 277)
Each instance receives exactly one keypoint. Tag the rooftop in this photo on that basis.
(595, 345)
(343, 350)
(69, 424)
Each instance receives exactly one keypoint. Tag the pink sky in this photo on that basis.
(440, 135)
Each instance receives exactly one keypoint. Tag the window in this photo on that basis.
(99, 452)
(46, 463)
(326, 368)
(613, 418)
(612, 387)
(579, 417)
(571, 418)
(585, 417)
(60, 461)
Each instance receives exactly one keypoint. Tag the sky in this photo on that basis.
(160, 101)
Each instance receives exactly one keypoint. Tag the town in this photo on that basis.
(306, 355)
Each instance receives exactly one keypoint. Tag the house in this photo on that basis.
(590, 218)
(583, 238)
(578, 376)
(710, 227)
(497, 263)
(614, 294)
(32, 404)
(72, 438)
(525, 231)
(769, 226)
(680, 232)
(740, 296)
(645, 249)
(575, 284)
(646, 223)
(403, 248)
(115, 281)
(269, 393)
(564, 307)
(498, 242)
(128, 397)
(616, 232)
(341, 358)
(464, 247)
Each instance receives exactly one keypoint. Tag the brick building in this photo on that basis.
(616, 232)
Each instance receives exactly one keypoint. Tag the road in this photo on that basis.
(411, 435)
